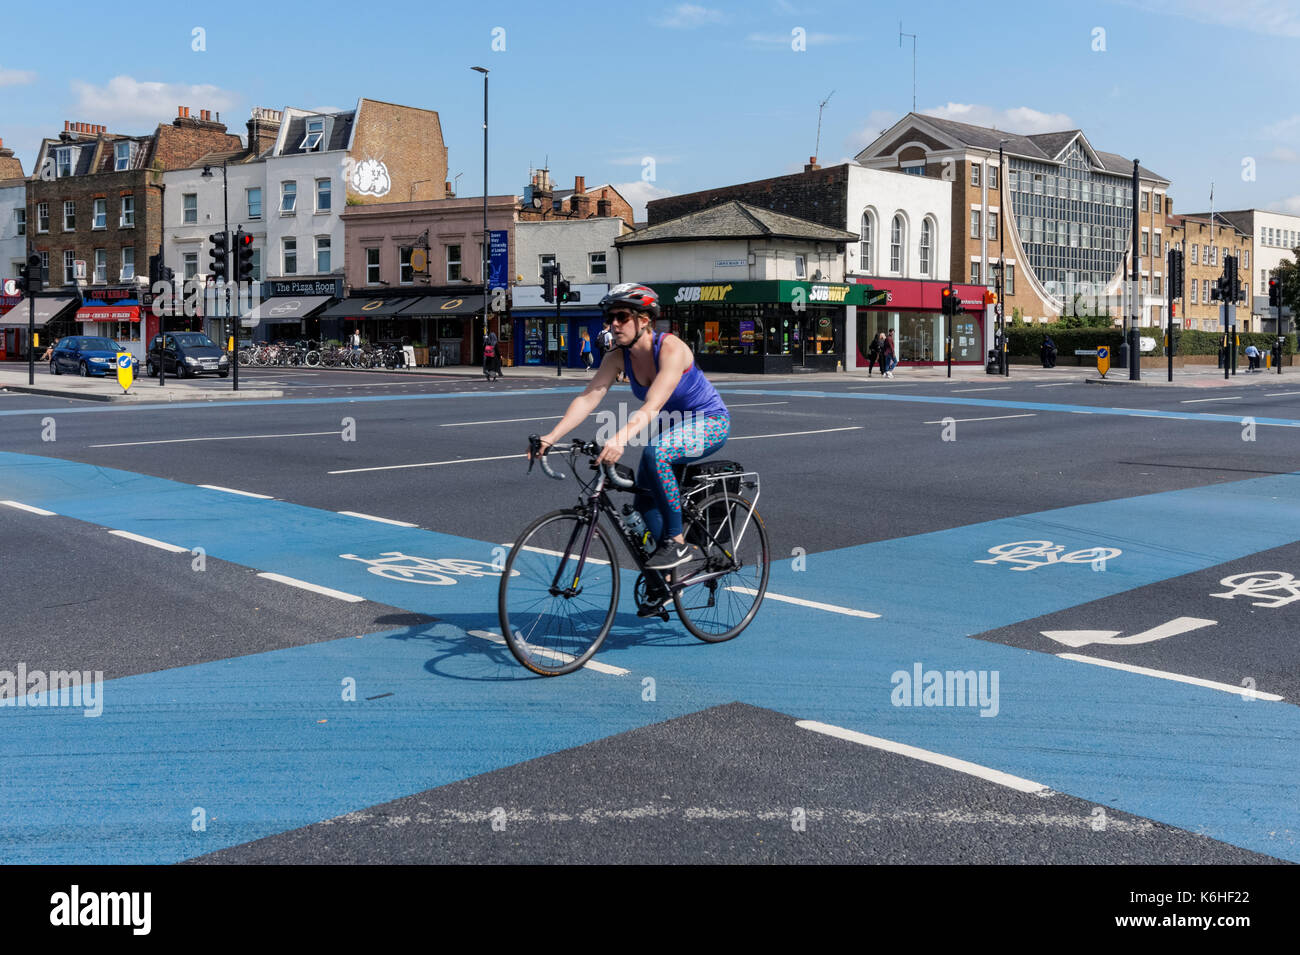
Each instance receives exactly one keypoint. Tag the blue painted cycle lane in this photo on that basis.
(244, 739)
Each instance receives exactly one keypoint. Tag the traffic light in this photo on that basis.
(990, 297)
(562, 290)
(243, 256)
(1176, 273)
(548, 283)
(1232, 285)
(951, 305)
(29, 279)
(1274, 294)
(1216, 290)
(219, 267)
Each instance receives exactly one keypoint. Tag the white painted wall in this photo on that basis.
(698, 261)
(886, 194)
(572, 241)
(13, 247)
(180, 237)
(307, 222)
(1269, 256)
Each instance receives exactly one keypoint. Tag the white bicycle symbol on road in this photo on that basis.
(1020, 552)
(1281, 586)
(433, 571)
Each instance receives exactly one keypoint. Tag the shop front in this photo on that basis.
(54, 319)
(912, 313)
(290, 310)
(763, 327)
(120, 322)
(446, 325)
(540, 339)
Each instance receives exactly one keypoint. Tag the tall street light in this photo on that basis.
(225, 219)
(1003, 363)
(486, 237)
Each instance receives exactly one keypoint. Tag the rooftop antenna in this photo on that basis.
(821, 106)
(901, 34)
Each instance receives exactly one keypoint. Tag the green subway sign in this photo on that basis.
(765, 293)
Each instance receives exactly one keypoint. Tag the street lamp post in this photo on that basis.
(486, 237)
(225, 219)
(1002, 263)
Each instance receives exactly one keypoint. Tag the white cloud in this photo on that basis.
(1270, 17)
(785, 39)
(1283, 154)
(127, 100)
(1018, 119)
(638, 193)
(878, 120)
(16, 77)
(688, 16)
(1290, 204)
(1285, 129)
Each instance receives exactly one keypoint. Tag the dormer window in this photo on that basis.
(63, 161)
(315, 133)
(121, 156)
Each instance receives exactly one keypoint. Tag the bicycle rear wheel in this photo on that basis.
(732, 536)
(552, 622)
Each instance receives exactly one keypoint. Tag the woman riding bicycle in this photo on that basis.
(674, 386)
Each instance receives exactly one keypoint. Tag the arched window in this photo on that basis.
(896, 245)
(927, 240)
(866, 253)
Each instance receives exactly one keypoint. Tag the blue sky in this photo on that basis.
(713, 91)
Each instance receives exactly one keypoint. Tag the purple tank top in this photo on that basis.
(694, 393)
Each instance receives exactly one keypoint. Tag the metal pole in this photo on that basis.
(1134, 361)
(31, 327)
(230, 247)
(1004, 358)
(1169, 274)
(559, 328)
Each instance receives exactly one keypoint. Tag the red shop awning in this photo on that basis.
(108, 313)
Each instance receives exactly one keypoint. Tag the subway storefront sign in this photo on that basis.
(757, 293)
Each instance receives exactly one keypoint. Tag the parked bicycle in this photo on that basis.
(559, 590)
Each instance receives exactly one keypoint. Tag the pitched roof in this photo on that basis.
(340, 130)
(1042, 146)
(735, 220)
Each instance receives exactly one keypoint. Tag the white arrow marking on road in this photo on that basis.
(1112, 638)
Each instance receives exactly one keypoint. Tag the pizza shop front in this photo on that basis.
(762, 327)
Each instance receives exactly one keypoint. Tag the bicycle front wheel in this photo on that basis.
(733, 538)
(554, 619)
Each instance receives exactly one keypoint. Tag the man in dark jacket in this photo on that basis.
(1049, 352)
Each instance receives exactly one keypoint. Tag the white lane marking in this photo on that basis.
(314, 588)
(466, 424)
(1000, 417)
(1057, 384)
(791, 434)
(1176, 677)
(1279, 394)
(231, 490)
(758, 404)
(1171, 628)
(28, 508)
(381, 520)
(553, 654)
(996, 388)
(1194, 401)
(808, 603)
(554, 553)
(925, 755)
(233, 437)
(161, 545)
(432, 464)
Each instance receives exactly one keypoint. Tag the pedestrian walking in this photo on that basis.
(1252, 353)
(1048, 352)
(888, 356)
(586, 349)
(491, 361)
(873, 354)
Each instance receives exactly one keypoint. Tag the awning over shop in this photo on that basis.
(108, 313)
(286, 309)
(47, 309)
(764, 292)
(433, 305)
(358, 307)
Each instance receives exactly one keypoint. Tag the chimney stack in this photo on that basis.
(812, 164)
(447, 189)
(579, 183)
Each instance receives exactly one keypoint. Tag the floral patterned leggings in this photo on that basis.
(690, 441)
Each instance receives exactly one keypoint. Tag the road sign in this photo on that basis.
(125, 370)
(1103, 360)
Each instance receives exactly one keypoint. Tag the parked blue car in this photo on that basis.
(87, 355)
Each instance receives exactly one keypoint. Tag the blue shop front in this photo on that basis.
(540, 340)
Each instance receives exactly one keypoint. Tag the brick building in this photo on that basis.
(1065, 208)
(1205, 242)
(542, 202)
(95, 198)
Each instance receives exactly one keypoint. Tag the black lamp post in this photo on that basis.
(484, 273)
